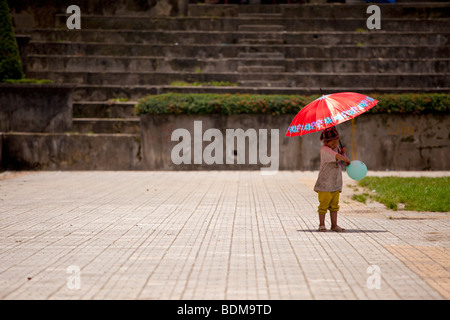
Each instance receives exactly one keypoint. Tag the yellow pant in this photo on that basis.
(328, 201)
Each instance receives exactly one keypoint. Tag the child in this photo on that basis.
(329, 181)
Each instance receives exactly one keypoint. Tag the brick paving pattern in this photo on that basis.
(209, 235)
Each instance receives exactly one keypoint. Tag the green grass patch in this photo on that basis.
(417, 194)
(361, 197)
(113, 100)
(28, 81)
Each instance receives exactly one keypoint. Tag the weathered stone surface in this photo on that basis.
(106, 125)
(108, 109)
(36, 108)
(400, 142)
(30, 13)
(370, 80)
(382, 142)
(156, 133)
(307, 46)
(46, 151)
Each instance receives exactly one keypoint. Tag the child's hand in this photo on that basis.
(346, 161)
(342, 158)
(344, 150)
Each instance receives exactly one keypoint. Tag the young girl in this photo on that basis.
(329, 182)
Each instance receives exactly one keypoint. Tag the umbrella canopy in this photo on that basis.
(329, 110)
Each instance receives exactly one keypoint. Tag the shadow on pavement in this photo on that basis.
(346, 231)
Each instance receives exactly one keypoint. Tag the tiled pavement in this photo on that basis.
(209, 235)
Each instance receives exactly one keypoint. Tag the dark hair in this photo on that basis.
(329, 134)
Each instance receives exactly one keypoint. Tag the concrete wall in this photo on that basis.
(71, 151)
(35, 108)
(157, 144)
(381, 141)
(400, 142)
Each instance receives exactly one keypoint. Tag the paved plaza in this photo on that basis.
(210, 235)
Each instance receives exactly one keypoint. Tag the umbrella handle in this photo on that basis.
(341, 147)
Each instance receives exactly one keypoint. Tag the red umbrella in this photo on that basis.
(329, 110)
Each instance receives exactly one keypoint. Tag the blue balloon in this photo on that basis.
(356, 170)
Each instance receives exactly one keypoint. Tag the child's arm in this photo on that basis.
(340, 157)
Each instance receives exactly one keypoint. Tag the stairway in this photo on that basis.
(293, 49)
(114, 60)
(261, 62)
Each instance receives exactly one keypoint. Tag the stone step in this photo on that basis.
(131, 78)
(129, 64)
(275, 61)
(232, 24)
(104, 125)
(410, 9)
(276, 55)
(183, 37)
(108, 109)
(261, 69)
(296, 79)
(208, 51)
(261, 41)
(190, 64)
(259, 15)
(261, 28)
(266, 83)
(24, 13)
(375, 65)
(307, 90)
(104, 92)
